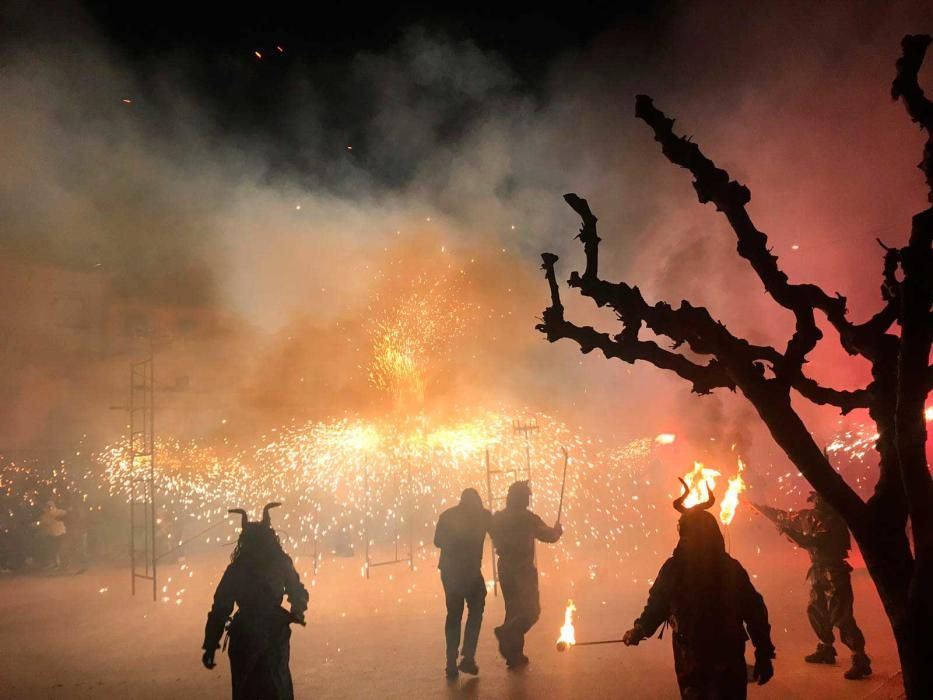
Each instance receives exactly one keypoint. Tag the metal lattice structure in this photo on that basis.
(497, 497)
(142, 469)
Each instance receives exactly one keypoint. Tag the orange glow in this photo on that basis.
(731, 500)
(567, 634)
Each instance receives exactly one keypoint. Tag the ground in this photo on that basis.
(85, 636)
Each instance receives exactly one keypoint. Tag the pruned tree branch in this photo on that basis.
(626, 346)
(713, 184)
(907, 88)
(846, 401)
(736, 363)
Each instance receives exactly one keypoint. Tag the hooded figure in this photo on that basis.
(514, 531)
(825, 536)
(712, 608)
(460, 535)
(258, 575)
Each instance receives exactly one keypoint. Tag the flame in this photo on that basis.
(702, 476)
(731, 500)
(697, 481)
(665, 438)
(567, 634)
(928, 413)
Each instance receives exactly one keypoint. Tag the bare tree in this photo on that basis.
(895, 398)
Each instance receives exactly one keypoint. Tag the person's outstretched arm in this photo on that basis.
(545, 533)
(657, 609)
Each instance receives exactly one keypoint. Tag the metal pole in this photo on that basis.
(563, 483)
(152, 509)
(132, 489)
(601, 641)
(132, 534)
(366, 516)
(492, 545)
(411, 517)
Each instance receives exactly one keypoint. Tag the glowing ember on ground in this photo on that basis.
(665, 439)
(567, 634)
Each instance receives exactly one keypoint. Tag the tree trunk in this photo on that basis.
(890, 565)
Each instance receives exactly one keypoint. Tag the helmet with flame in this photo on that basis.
(705, 505)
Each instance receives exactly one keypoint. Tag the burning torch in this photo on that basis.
(568, 637)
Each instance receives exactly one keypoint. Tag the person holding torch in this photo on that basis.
(712, 607)
(514, 531)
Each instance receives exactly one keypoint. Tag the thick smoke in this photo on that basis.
(448, 162)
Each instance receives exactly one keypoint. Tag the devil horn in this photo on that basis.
(710, 498)
(266, 519)
(679, 502)
(243, 516)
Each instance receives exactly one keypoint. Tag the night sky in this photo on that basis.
(211, 50)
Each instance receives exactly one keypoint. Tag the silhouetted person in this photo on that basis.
(460, 534)
(52, 526)
(825, 536)
(258, 575)
(712, 608)
(514, 531)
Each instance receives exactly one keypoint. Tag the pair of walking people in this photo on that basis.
(460, 535)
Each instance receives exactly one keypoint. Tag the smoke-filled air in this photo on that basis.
(294, 257)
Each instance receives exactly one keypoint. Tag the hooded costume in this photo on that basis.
(460, 535)
(514, 531)
(712, 607)
(258, 575)
(825, 536)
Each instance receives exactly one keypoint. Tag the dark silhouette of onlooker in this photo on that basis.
(460, 534)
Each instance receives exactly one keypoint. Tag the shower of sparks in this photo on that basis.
(361, 481)
(412, 336)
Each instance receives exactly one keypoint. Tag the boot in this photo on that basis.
(824, 654)
(469, 666)
(861, 667)
(516, 662)
(451, 672)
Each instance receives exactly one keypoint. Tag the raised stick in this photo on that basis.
(563, 483)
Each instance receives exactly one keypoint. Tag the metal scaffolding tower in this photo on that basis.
(496, 496)
(142, 474)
